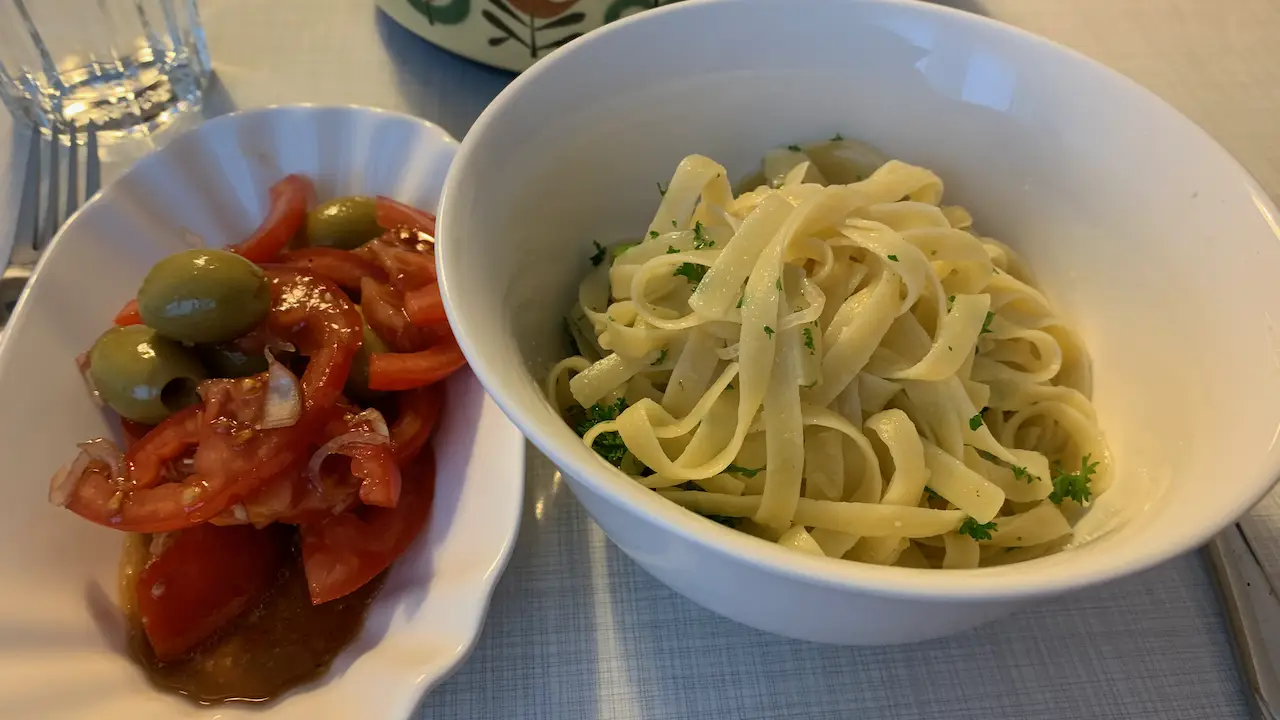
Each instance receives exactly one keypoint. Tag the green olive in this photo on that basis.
(346, 223)
(358, 380)
(204, 296)
(228, 360)
(143, 375)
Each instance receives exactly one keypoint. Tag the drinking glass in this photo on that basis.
(126, 66)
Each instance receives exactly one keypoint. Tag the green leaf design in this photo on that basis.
(565, 20)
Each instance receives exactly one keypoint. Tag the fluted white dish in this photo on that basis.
(61, 636)
(1147, 235)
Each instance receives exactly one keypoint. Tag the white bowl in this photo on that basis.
(61, 637)
(1162, 250)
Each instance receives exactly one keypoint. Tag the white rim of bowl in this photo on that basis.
(1020, 580)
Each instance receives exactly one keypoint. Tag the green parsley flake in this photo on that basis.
(808, 339)
(1075, 485)
(768, 331)
(893, 258)
(653, 233)
(691, 271)
(986, 324)
(793, 148)
(741, 298)
(598, 257)
(739, 470)
(1020, 473)
(977, 530)
(778, 284)
(671, 250)
(661, 357)
(975, 422)
(701, 241)
(608, 445)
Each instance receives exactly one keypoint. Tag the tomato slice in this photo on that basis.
(419, 413)
(168, 441)
(407, 264)
(202, 579)
(384, 311)
(316, 317)
(425, 307)
(288, 211)
(341, 267)
(392, 214)
(343, 552)
(129, 314)
(405, 371)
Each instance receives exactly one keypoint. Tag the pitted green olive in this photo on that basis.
(142, 375)
(345, 223)
(204, 296)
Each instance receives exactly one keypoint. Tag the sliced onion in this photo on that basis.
(337, 445)
(376, 422)
(64, 481)
(284, 398)
(82, 363)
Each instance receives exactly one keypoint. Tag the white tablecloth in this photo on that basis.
(578, 631)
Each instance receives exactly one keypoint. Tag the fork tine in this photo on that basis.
(49, 224)
(73, 175)
(29, 206)
(93, 165)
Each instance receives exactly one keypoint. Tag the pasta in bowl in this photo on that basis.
(1132, 378)
(835, 361)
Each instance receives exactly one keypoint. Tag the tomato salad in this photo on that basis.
(277, 399)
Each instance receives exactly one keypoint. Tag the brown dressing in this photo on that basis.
(281, 643)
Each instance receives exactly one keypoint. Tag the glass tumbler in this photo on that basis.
(126, 66)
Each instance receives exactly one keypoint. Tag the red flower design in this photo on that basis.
(542, 9)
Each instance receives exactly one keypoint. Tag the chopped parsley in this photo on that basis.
(778, 284)
(893, 258)
(692, 272)
(975, 422)
(674, 225)
(1073, 485)
(739, 470)
(808, 339)
(661, 357)
(986, 324)
(598, 257)
(700, 241)
(653, 233)
(977, 530)
(951, 300)
(1020, 473)
(740, 299)
(932, 495)
(793, 148)
(837, 138)
(661, 190)
(608, 445)
(671, 250)
(768, 331)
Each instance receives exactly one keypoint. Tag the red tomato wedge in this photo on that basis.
(147, 457)
(203, 578)
(392, 214)
(405, 371)
(384, 311)
(419, 413)
(129, 314)
(345, 551)
(425, 307)
(341, 267)
(288, 211)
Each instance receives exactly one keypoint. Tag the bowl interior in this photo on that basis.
(1139, 227)
(63, 648)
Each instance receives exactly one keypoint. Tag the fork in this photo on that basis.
(43, 182)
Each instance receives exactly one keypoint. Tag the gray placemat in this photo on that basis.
(577, 630)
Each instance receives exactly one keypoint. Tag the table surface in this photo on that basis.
(577, 630)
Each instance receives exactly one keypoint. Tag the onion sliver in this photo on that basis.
(64, 481)
(284, 398)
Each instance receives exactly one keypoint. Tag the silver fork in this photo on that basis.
(43, 184)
